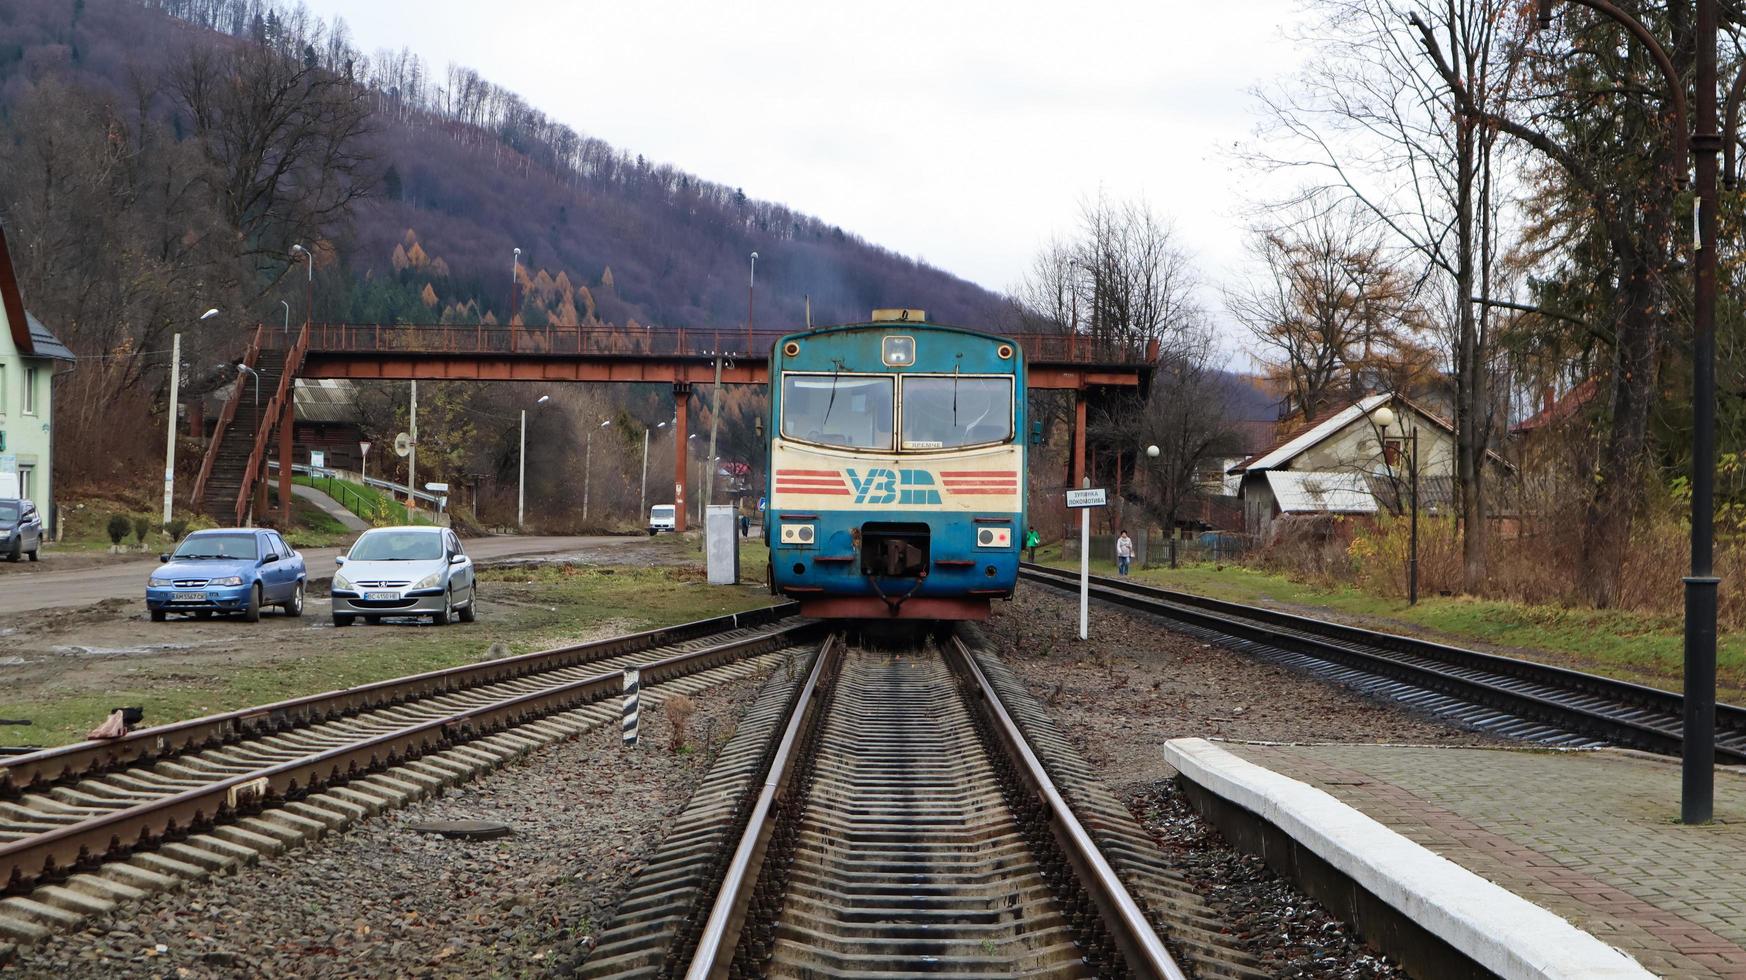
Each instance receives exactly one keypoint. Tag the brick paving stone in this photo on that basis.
(1591, 836)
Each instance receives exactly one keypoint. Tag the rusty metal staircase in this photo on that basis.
(236, 458)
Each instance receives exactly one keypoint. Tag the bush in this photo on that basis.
(142, 526)
(119, 525)
(177, 528)
(679, 710)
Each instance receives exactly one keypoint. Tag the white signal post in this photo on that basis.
(1084, 500)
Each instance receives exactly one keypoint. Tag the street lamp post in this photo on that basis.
(751, 290)
(287, 305)
(588, 464)
(521, 476)
(643, 498)
(1384, 417)
(308, 284)
(1698, 742)
(514, 283)
(175, 395)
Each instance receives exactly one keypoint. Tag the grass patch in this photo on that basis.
(549, 606)
(379, 507)
(1633, 646)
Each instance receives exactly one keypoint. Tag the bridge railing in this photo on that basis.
(465, 340)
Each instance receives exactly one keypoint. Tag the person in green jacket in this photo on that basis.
(1032, 539)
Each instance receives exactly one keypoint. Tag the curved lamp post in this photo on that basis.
(521, 476)
(308, 285)
(1384, 417)
(1697, 781)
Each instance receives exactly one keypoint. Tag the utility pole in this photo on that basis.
(170, 442)
(714, 424)
(412, 452)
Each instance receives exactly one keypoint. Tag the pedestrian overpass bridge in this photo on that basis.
(235, 465)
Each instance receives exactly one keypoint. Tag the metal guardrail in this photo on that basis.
(479, 339)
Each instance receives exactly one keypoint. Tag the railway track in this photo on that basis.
(88, 826)
(1505, 695)
(888, 814)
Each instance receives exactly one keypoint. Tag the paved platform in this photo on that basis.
(1591, 836)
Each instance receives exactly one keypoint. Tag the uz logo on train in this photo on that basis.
(883, 486)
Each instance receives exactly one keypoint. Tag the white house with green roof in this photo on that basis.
(29, 354)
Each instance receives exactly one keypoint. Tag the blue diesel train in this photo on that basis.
(896, 469)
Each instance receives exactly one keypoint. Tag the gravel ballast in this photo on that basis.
(1134, 685)
(380, 899)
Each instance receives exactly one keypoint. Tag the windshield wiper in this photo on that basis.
(837, 368)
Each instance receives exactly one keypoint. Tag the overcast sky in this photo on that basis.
(964, 133)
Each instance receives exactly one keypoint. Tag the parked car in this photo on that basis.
(405, 571)
(228, 570)
(661, 518)
(20, 529)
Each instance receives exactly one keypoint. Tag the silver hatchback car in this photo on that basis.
(405, 571)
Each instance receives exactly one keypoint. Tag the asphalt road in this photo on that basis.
(23, 592)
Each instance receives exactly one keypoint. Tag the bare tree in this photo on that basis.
(1183, 414)
(287, 144)
(1333, 313)
(1377, 119)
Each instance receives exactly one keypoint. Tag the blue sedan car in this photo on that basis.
(228, 570)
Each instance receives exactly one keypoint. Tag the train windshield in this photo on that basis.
(950, 412)
(852, 411)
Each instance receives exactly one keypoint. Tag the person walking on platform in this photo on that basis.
(1124, 552)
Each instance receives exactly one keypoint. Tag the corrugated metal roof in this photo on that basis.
(1323, 430)
(46, 344)
(326, 400)
(1312, 492)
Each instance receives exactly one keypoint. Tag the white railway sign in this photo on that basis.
(1096, 497)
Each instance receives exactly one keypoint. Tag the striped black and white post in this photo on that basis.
(632, 681)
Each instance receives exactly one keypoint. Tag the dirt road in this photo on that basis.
(81, 586)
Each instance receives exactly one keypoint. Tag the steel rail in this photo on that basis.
(40, 768)
(1479, 678)
(721, 930)
(1138, 943)
(66, 847)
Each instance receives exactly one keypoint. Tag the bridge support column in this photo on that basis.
(681, 453)
(287, 419)
(1078, 437)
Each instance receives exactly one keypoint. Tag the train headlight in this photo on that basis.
(797, 535)
(994, 537)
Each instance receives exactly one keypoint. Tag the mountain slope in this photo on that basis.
(474, 172)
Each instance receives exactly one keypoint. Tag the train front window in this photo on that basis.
(950, 412)
(851, 411)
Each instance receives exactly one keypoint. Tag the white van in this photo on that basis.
(660, 519)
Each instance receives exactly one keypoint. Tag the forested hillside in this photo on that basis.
(161, 157)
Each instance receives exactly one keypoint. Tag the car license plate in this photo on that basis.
(189, 597)
(382, 596)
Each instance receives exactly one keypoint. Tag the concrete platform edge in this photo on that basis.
(1496, 928)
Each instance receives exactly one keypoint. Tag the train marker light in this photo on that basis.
(994, 537)
(797, 535)
(897, 351)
